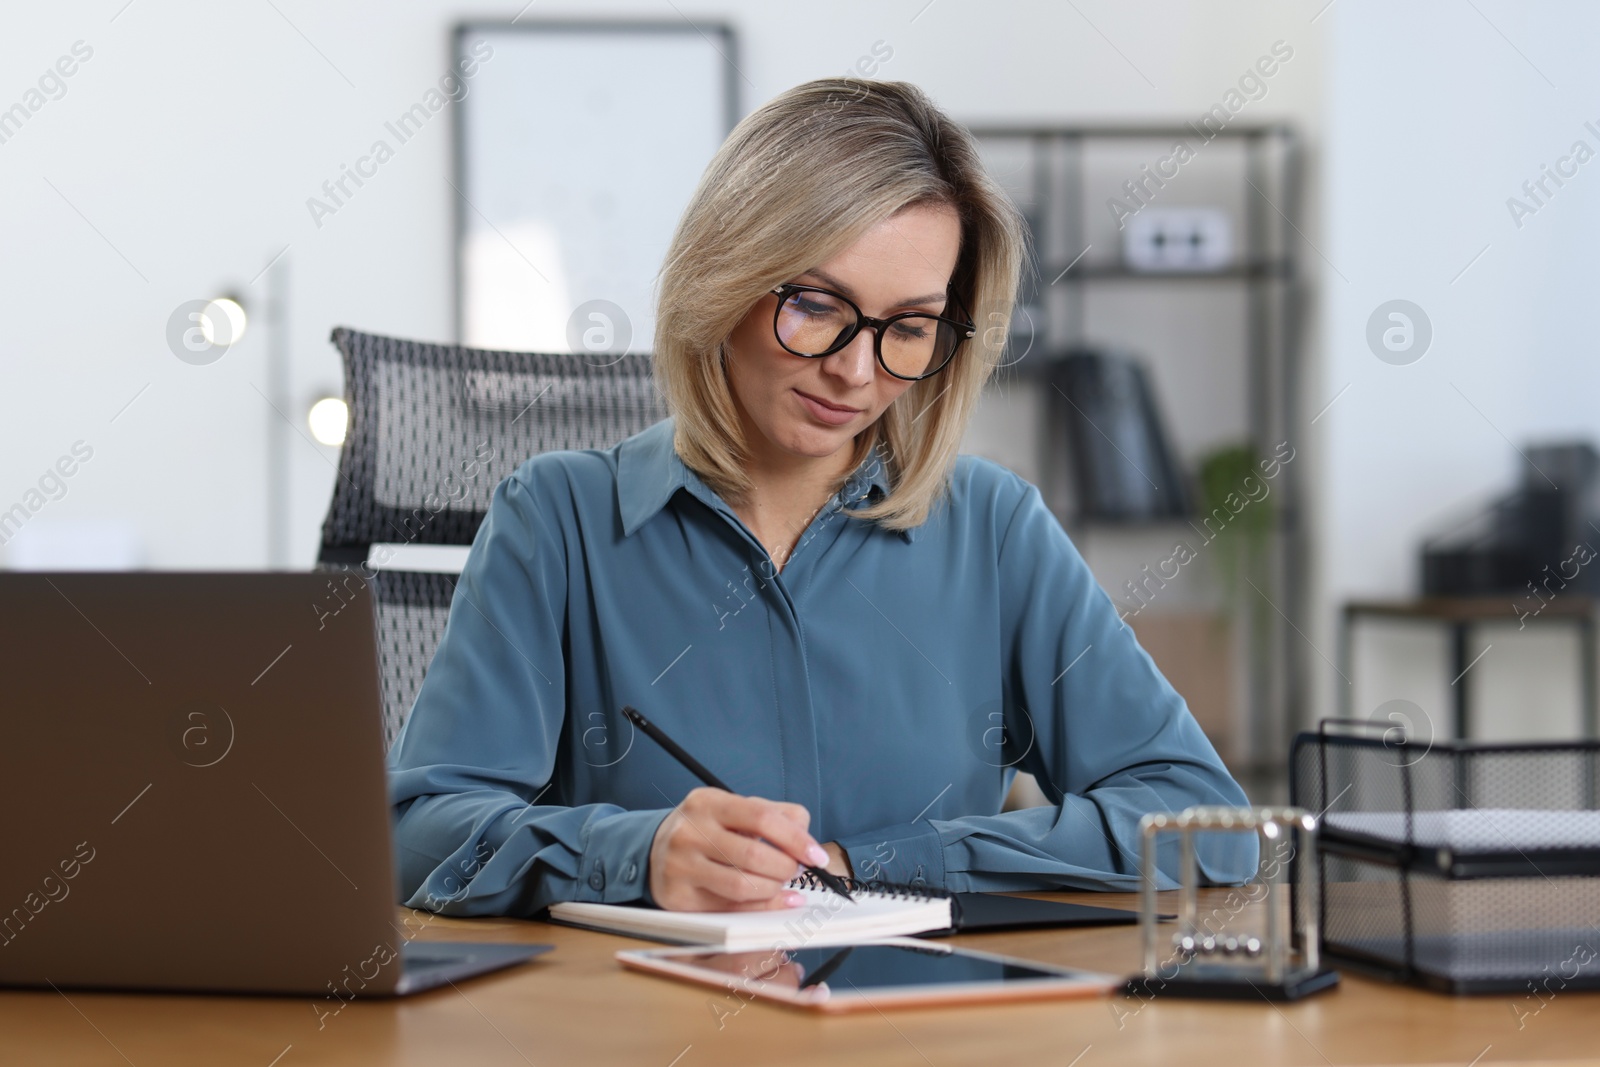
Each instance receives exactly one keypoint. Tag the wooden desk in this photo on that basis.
(577, 1006)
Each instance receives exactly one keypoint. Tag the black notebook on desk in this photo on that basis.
(971, 912)
(880, 909)
(994, 911)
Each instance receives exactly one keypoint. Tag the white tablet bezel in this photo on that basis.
(1072, 983)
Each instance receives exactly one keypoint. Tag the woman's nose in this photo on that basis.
(855, 363)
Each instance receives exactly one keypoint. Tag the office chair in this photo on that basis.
(433, 429)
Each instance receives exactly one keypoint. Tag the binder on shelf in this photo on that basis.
(1123, 467)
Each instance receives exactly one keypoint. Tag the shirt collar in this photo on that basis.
(649, 472)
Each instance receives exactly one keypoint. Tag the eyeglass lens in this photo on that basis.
(811, 323)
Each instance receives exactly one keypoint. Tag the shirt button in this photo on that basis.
(632, 871)
(597, 880)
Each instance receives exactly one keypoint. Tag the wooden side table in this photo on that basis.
(1461, 615)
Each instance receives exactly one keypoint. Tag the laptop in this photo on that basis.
(193, 778)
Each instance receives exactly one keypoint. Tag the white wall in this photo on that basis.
(1437, 112)
(192, 138)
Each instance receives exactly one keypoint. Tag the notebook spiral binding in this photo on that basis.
(890, 890)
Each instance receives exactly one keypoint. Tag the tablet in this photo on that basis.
(891, 972)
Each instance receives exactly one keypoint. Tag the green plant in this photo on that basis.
(1238, 512)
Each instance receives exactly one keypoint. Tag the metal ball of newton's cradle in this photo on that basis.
(1189, 946)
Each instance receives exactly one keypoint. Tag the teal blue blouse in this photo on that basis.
(891, 682)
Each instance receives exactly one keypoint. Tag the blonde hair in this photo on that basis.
(797, 182)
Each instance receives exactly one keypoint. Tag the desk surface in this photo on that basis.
(577, 1006)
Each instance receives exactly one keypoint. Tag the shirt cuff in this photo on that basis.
(910, 853)
(615, 865)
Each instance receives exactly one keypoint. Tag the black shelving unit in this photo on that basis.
(1059, 183)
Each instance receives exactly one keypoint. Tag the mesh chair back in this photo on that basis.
(433, 429)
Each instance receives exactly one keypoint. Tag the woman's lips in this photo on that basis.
(823, 412)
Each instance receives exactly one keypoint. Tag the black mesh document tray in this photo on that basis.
(1462, 867)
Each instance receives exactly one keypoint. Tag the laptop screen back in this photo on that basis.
(193, 780)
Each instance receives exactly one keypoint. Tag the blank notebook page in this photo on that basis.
(824, 919)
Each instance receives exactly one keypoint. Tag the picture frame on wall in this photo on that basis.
(577, 145)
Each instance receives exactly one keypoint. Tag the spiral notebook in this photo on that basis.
(881, 909)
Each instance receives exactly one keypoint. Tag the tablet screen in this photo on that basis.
(865, 968)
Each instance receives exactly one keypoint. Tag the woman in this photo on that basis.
(798, 579)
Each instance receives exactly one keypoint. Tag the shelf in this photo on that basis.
(1157, 131)
(1097, 522)
(1264, 270)
(1467, 608)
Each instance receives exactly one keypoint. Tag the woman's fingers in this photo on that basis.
(738, 886)
(746, 853)
(718, 851)
(717, 824)
(767, 819)
(797, 813)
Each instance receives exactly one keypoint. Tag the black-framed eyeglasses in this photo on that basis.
(811, 321)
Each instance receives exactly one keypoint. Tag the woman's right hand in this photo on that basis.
(719, 851)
